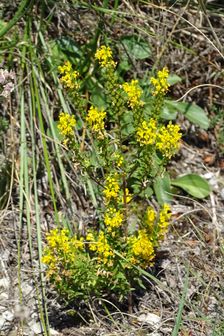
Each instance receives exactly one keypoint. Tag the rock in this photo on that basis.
(35, 327)
(8, 315)
(222, 194)
(150, 318)
(2, 322)
(3, 296)
(54, 332)
(4, 283)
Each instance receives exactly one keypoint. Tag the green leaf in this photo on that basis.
(56, 131)
(169, 111)
(162, 189)
(147, 192)
(193, 113)
(2, 24)
(98, 98)
(173, 79)
(127, 127)
(68, 45)
(193, 184)
(123, 66)
(136, 47)
(178, 321)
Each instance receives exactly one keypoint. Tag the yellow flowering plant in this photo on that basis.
(123, 149)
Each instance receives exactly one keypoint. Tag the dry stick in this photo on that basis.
(169, 38)
(198, 86)
(204, 10)
(190, 24)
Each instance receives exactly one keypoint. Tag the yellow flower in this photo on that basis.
(142, 248)
(92, 241)
(69, 77)
(103, 249)
(150, 218)
(112, 188)
(168, 139)
(118, 158)
(163, 223)
(128, 196)
(105, 57)
(160, 83)
(60, 250)
(67, 67)
(146, 132)
(134, 93)
(66, 124)
(95, 119)
(113, 218)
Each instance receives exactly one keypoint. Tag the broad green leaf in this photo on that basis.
(127, 127)
(136, 47)
(162, 189)
(68, 45)
(194, 114)
(173, 79)
(98, 98)
(147, 192)
(123, 66)
(193, 184)
(169, 111)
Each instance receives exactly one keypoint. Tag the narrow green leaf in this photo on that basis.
(23, 8)
(178, 321)
(193, 184)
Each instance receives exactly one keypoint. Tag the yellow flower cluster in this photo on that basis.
(163, 223)
(142, 248)
(61, 249)
(69, 76)
(66, 124)
(95, 119)
(168, 139)
(160, 83)
(146, 132)
(128, 196)
(134, 93)
(112, 188)
(118, 158)
(101, 247)
(105, 57)
(150, 218)
(113, 218)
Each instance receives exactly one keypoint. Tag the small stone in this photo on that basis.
(54, 332)
(165, 263)
(8, 315)
(2, 322)
(150, 318)
(35, 327)
(3, 296)
(222, 194)
(26, 289)
(4, 283)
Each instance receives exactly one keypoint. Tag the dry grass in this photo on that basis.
(190, 44)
